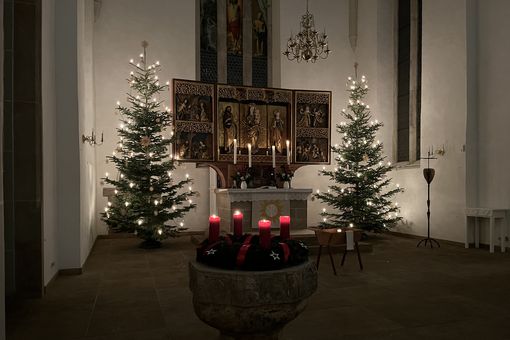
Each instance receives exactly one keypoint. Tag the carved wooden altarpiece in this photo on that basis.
(211, 120)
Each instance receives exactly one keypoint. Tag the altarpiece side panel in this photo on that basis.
(194, 120)
(312, 142)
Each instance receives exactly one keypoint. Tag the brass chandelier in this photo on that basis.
(308, 44)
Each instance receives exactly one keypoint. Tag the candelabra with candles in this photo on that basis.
(428, 173)
(308, 44)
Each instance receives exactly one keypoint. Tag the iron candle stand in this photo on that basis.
(428, 173)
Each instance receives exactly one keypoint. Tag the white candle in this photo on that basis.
(235, 151)
(288, 151)
(274, 156)
(249, 155)
(350, 239)
(172, 151)
(171, 102)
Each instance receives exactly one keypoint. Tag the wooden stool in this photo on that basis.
(333, 237)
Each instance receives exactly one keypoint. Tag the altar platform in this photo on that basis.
(257, 204)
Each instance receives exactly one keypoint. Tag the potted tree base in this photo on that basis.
(150, 244)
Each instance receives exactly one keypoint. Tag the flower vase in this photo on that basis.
(244, 185)
(286, 185)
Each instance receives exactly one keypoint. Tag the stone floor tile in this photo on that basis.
(404, 292)
(125, 320)
(333, 323)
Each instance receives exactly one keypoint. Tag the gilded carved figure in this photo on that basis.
(229, 129)
(277, 131)
(253, 126)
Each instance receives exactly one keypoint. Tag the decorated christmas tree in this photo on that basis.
(148, 200)
(362, 194)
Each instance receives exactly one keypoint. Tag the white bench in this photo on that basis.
(492, 215)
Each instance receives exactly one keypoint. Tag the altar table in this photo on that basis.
(256, 204)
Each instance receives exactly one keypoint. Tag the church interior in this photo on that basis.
(254, 169)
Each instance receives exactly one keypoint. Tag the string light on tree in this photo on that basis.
(360, 196)
(148, 201)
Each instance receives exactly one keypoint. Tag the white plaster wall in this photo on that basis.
(123, 24)
(49, 140)
(74, 104)
(472, 154)
(169, 27)
(68, 152)
(494, 112)
(328, 74)
(86, 126)
(373, 53)
(444, 100)
(2, 249)
(444, 112)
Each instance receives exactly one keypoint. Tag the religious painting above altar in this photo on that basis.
(254, 117)
(212, 121)
(235, 27)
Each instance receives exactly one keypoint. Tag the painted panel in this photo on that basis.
(194, 120)
(312, 126)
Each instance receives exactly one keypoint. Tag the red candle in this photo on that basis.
(214, 228)
(238, 223)
(265, 233)
(284, 227)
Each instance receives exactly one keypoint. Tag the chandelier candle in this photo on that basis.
(238, 223)
(171, 99)
(249, 155)
(284, 227)
(265, 233)
(214, 228)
